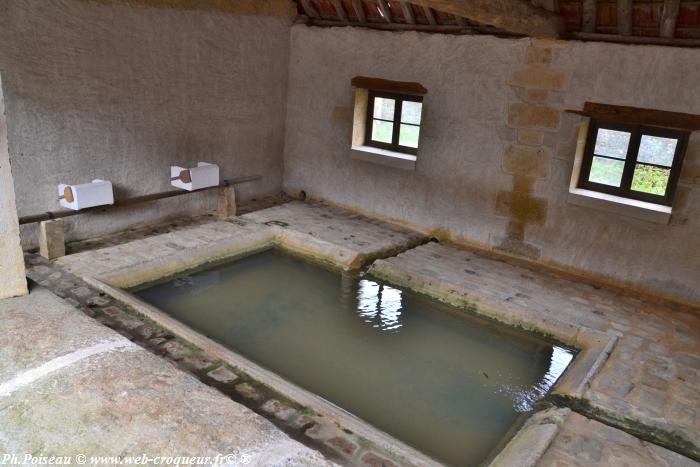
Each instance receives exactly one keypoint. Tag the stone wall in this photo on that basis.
(497, 150)
(104, 89)
(12, 280)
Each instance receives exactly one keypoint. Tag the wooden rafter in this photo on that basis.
(588, 21)
(669, 15)
(447, 28)
(408, 13)
(428, 12)
(340, 11)
(624, 17)
(676, 42)
(515, 16)
(385, 11)
(309, 9)
(501, 17)
(359, 11)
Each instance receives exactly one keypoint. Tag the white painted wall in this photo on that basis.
(120, 92)
(465, 134)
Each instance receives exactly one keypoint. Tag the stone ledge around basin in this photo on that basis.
(191, 258)
(532, 440)
(267, 236)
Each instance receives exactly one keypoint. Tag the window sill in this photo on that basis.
(650, 212)
(384, 157)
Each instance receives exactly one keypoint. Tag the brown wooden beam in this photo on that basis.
(359, 10)
(669, 15)
(515, 16)
(378, 84)
(438, 29)
(385, 11)
(428, 12)
(459, 21)
(339, 10)
(640, 116)
(589, 15)
(676, 42)
(408, 13)
(624, 17)
(309, 9)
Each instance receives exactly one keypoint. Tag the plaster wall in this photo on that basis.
(102, 89)
(465, 134)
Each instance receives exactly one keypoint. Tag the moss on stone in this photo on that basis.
(672, 440)
(440, 234)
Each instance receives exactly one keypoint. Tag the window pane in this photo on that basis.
(384, 108)
(612, 143)
(382, 131)
(606, 171)
(650, 179)
(657, 150)
(410, 112)
(408, 136)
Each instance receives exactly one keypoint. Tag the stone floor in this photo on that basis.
(70, 386)
(363, 236)
(649, 386)
(175, 238)
(584, 442)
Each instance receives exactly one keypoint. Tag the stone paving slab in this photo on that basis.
(588, 443)
(357, 237)
(648, 385)
(95, 263)
(119, 401)
(26, 341)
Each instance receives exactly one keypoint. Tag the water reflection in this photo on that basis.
(379, 305)
(525, 397)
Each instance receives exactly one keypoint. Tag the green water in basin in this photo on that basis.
(449, 384)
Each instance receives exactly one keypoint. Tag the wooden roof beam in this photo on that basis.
(385, 11)
(515, 16)
(340, 11)
(669, 15)
(589, 15)
(624, 17)
(359, 11)
(428, 12)
(309, 9)
(408, 13)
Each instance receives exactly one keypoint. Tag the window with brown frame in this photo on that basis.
(633, 161)
(393, 121)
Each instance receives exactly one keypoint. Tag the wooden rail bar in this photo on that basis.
(131, 201)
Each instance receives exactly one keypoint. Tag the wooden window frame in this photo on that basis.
(625, 188)
(396, 121)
